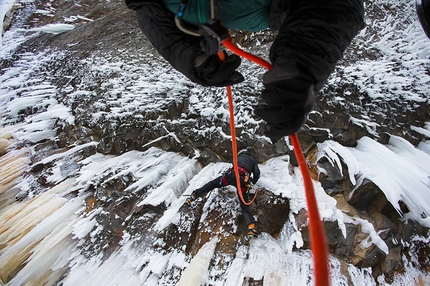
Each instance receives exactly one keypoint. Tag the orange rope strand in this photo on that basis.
(234, 148)
(229, 45)
(316, 229)
(233, 140)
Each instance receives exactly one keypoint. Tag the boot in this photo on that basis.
(252, 231)
(191, 199)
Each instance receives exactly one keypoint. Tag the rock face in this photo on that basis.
(174, 125)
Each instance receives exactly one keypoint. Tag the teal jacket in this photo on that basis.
(248, 15)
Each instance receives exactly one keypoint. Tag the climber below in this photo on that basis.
(249, 172)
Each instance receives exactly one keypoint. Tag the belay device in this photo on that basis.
(214, 33)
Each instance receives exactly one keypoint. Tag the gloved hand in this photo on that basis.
(211, 71)
(181, 50)
(288, 97)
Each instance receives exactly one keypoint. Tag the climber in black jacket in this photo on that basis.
(312, 35)
(248, 172)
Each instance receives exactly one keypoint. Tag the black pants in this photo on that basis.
(230, 179)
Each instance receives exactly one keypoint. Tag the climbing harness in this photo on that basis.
(247, 186)
(316, 230)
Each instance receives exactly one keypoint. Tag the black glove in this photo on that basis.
(211, 71)
(315, 33)
(288, 98)
(181, 50)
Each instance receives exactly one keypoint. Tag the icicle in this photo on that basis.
(4, 143)
(197, 271)
(16, 241)
(12, 166)
(50, 257)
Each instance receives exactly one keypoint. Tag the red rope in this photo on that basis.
(316, 229)
(233, 141)
(234, 148)
(229, 45)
